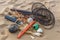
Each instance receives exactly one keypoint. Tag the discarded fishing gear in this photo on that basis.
(47, 18)
(41, 14)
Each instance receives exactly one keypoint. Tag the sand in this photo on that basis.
(52, 5)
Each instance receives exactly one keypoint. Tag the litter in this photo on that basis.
(13, 19)
(34, 33)
(37, 34)
(27, 27)
(19, 22)
(40, 14)
(40, 30)
(13, 28)
(29, 20)
(36, 26)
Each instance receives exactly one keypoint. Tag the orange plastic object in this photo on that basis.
(27, 27)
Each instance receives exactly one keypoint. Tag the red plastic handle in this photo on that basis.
(23, 31)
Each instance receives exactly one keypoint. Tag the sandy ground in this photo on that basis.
(53, 5)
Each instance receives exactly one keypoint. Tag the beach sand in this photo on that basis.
(52, 5)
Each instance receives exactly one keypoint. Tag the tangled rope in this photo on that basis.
(43, 15)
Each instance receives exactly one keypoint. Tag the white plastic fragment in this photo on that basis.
(29, 20)
(21, 23)
(37, 34)
(40, 30)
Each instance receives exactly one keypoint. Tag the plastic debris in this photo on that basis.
(25, 29)
(13, 19)
(29, 20)
(13, 28)
(37, 34)
(34, 33)
(19, 22)
(36, 26)
(40, 30)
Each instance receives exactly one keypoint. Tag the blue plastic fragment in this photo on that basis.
(22, 11)
(13, 28)
(10, 18)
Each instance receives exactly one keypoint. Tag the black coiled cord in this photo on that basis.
(43, 15)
